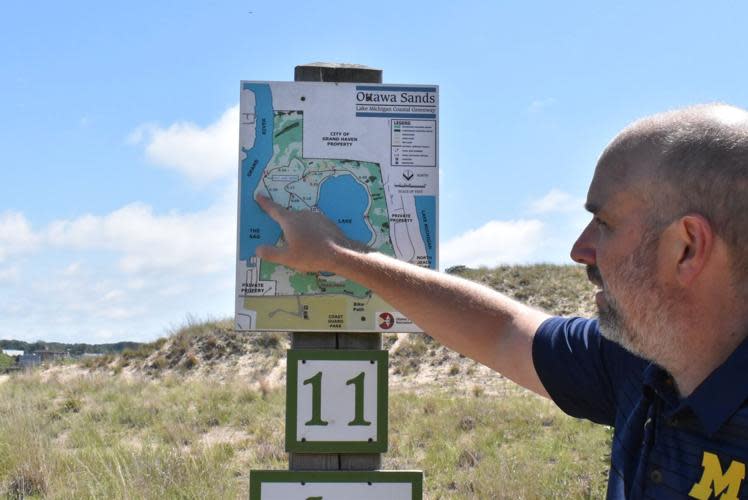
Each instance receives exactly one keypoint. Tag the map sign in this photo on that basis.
(364, 155)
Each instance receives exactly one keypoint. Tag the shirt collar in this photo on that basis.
(716, 399)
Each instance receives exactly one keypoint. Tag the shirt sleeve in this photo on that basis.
(573, 361)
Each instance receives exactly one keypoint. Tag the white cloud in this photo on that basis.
(496, 242)
(539, 105)
(72, 269)
(103, 335)
(194, 243)
(9, 274)
(113, 295)
(556, 201)
(16, 235)
(203, 154)
(130, 272)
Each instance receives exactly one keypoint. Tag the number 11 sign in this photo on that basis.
(336, 401)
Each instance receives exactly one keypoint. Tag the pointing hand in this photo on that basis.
(312, 241)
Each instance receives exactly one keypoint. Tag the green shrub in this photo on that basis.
(6, 361)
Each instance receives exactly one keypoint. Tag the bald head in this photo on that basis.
(707, 129)
(692, 160)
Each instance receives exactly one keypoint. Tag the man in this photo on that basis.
(666, 363)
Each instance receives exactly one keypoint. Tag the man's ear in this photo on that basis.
(693, 246)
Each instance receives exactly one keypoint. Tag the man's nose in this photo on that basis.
(583, 251)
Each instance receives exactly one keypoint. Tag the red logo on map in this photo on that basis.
(388, 321)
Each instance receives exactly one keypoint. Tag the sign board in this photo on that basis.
(364, 155)
(335, 485)
(336, 401)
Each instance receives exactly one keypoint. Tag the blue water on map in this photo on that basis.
(344, 200)
(426, 210)
(256, 226)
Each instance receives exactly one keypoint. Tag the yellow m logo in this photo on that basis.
(715, 482)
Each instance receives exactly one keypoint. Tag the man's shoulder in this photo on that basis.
(585, 374)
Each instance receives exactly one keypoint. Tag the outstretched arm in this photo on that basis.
(469, 318)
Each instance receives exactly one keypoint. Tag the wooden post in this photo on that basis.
(350, 73)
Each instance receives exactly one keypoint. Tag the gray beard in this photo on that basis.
(614, 328)
(650, 327)
(637, 324)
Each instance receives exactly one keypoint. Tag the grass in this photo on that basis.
(100, 435)
(407, 356)
(517, 446)
(562, 290)
(157, 422)
(195, 344)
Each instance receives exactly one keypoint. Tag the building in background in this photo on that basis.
(36, 358)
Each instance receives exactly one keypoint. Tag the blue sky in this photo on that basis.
(118, 132)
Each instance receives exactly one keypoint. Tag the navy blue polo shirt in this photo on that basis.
(663, 446)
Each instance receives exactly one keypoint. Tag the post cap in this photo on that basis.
(337, 72)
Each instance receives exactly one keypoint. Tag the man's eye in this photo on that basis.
(599, 222)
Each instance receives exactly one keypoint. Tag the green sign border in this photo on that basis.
(257, 477)
(293, 444)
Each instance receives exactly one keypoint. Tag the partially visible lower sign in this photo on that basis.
(335, 485)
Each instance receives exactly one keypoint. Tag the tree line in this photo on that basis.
(73, 349)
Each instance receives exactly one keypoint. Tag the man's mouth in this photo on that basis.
(593, 274)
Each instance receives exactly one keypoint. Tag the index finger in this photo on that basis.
(272, 208)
